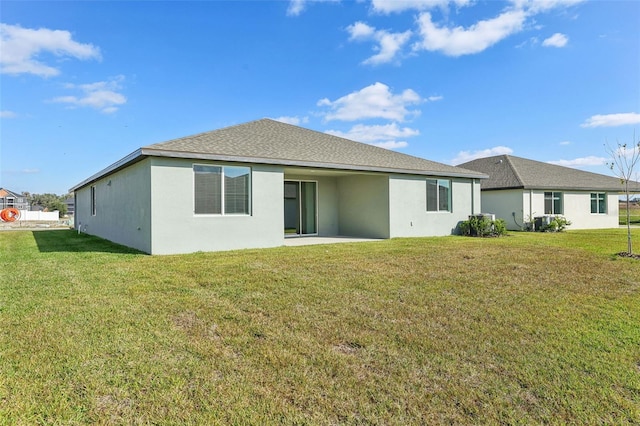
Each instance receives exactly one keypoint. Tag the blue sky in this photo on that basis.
(83, 84)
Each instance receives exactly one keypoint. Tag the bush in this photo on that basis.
(478, 226)
(557, 224)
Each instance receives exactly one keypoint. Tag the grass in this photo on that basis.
(634, 214)
(529, 328)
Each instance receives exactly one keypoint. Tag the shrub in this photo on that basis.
(557, 224)
(479, 226)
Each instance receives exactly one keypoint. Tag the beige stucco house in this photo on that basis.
(255, 184)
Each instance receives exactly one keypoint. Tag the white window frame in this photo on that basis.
(597, 199)
(222, 190)
(450, 195)
(555, 195)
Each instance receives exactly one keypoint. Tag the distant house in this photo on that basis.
(70, 203)
(255, 184)
(10, 199)
(519, 190)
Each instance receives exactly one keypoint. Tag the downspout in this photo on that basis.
(473, 195)
(531, 205)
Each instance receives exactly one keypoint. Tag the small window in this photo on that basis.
(553, 203)
(598, 203)
(221, 189)
(11, 202)
(93, 200)
(438, 195)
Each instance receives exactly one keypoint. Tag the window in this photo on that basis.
(599, 202)
(553, 203)
(438, 195)
(221, 189)
(93, 200)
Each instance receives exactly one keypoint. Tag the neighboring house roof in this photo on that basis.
(6, 193)
(509, 172)
(272, 142)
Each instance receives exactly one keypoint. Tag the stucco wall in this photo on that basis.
(505, 202)
(408, 207)
(363, 206)
(576, 207)
(176, 229)
(122, 207)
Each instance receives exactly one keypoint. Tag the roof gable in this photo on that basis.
(509, 172)
(7, 193)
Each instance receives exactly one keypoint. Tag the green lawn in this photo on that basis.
(529, 328)
(634, 216)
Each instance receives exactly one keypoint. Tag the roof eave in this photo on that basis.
(557, 188)
(135, 156)
(141, 153)
(309, 164)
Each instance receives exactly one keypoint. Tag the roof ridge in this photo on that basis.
(514, 169)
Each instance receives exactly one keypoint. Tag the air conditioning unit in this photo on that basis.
(541, 222)
(489, 216)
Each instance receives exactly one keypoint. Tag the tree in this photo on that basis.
(625, 159)
(49, 202)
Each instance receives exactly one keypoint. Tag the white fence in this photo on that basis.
(33, 216)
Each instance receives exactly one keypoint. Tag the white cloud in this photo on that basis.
(384, 136)
(579, 162)
(556, 40)
(460, 41)
(390, 6)
(22, 46)
(8, 114)
(296, 121)
(612, 120)
(540, 6)
(455, 40)
(101, 95)
(375, 133)
(389, 44)
(391, 144)
(375, 101)
(296, 7)
(464, 156)
(360, 31)
(435, 98)
(565, 143)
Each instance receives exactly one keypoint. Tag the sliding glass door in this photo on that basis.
(300, 208)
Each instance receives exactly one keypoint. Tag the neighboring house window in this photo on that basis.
(221, 189)
(438, 195)
(11, 202)
(93, 200)
(553, 203)
(599, 202)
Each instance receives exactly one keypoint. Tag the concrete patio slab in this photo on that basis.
(307, 241)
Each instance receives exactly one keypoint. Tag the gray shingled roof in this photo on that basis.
(271, 142)
(509, 172)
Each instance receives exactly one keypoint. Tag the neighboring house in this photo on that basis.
(10, 199)
(70, 203)
(253, 184)
(518, 190)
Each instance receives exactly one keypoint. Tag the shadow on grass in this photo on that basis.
(71, 241)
